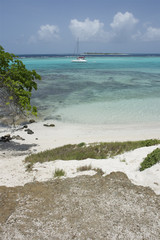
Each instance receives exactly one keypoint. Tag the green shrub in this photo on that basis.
(82, 144)
(151, 159)
(59, 173)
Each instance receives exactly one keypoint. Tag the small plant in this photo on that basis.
(99, 171)
(84, 168)
(88, 168)
(29, 167)
(123, 160)
(151, 159)
(82, 144)
(59, 173)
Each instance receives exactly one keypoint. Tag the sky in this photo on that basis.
(53, 26)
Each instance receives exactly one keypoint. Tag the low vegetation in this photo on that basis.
(151, 159)
(84, 151)
(88, 168)
(59, 173)
(16, 86)
(84, 168)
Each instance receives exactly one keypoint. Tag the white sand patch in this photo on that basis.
(128, 163)
(13, 171)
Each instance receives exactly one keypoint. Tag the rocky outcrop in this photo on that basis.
(80, 208)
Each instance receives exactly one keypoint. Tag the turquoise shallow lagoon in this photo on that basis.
(105, 90)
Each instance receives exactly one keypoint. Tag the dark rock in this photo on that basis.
(32, 121)
(49, 125)
(29, 131)
(6, 138)
(52, 125)
(17, 137)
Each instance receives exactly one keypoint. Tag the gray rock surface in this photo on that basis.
(84, 207)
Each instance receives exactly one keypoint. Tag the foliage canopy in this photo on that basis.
(16, 84)
(151, 159)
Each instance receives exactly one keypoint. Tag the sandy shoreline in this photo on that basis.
(13, 171)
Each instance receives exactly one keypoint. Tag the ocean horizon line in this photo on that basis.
(88, 55)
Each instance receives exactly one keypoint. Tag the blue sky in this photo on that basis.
(52, 26)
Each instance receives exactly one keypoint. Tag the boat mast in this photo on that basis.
(77, 46)
(76, 52)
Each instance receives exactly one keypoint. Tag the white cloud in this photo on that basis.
(123, 27)
(149, 35)
(88, 30)
(123, 24)
(46, 33)
(152, 34)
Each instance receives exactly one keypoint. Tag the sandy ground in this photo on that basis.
(124, 203)
(12, 154)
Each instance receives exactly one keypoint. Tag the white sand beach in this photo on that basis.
(13, 169)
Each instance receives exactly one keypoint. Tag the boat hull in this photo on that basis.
(79, 61)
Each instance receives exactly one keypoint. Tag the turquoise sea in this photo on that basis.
(122, 89)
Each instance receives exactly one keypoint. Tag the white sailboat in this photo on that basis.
(79, 59)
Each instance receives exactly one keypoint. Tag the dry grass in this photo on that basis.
(88, 168)
(84, 168)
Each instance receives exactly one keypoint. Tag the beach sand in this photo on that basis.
(121, 204)
(13, 169)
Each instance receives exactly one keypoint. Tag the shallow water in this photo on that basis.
(105, 90)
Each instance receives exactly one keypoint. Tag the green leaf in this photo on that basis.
(17, 82)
